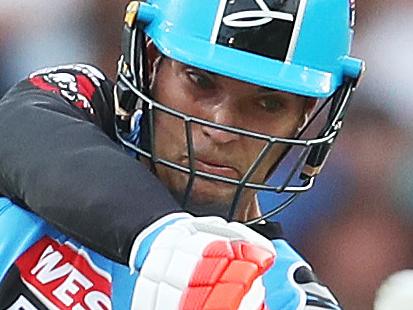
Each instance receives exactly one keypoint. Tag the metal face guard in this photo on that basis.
(313, 153)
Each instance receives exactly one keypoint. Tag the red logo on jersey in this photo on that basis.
(64, 277)
(76, 88)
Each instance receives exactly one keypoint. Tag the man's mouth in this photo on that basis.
(208, 166)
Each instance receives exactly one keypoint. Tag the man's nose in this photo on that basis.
(222, 115)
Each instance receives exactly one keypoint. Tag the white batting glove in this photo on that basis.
(196, 263)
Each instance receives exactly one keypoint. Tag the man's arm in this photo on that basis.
(58, 158)
(181, 262)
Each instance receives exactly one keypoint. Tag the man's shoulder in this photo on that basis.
(96, 75)
(77, 90)
(72, 81)
(292, 283)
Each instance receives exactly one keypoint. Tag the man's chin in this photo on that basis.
(206, 203)
(208, 209)
(206, 197)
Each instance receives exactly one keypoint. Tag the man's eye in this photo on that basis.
(200, 80)
(270, 104)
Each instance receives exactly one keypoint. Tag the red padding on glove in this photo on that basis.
(224, 275)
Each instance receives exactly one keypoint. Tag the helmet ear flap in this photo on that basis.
(131, 66)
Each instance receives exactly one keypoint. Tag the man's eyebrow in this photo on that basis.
(263, 89)
(276, 92)
(199, 69)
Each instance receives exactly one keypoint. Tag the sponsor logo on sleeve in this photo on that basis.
(63, 277)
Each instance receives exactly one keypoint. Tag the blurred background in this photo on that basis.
(356, 226)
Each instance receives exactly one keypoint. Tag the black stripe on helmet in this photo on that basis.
(263, 27)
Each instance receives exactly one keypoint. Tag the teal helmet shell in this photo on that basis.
(297, 46)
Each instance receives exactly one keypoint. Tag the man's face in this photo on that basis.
(225, 101)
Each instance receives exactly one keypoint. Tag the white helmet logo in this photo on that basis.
(254, 18)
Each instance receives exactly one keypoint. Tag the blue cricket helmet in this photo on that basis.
(297, 46)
